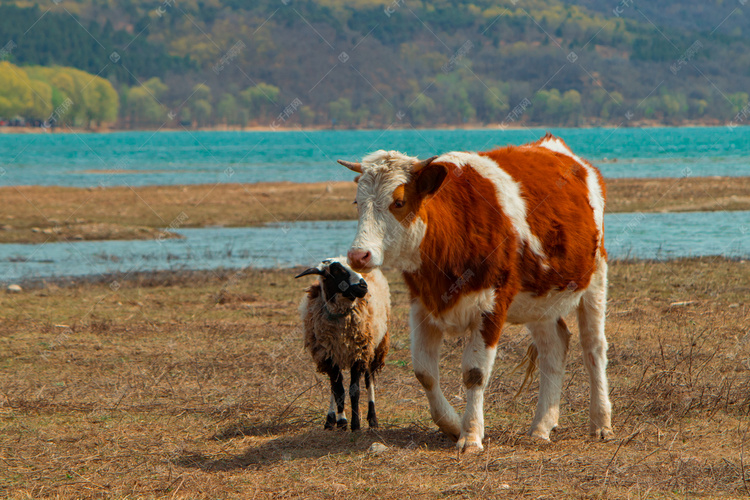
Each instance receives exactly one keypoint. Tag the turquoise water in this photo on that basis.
(647, 236)
(149, 158)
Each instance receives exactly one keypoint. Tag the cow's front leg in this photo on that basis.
(478, 359)
(425, 357)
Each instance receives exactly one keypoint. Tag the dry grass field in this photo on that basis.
(196, 385)
(35, 214)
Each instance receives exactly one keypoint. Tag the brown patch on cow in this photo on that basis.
(427, 381)
(473, 378)
(559, 214)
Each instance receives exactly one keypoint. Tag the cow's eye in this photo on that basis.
(354, 202)
(398, 203)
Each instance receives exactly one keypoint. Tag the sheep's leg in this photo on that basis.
(372, 419)
(356, 370)
(336, 413)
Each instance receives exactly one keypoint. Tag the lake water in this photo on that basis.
(150, 158)
(649, 236)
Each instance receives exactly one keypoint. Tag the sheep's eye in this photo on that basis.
(398, 203)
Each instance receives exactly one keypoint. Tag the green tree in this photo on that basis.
(260, 100)
(16, 95)
(421, 110)
(340, 112)
(227, 111)
(41, 109)
(201, 112)
(102, 101)
(570, 107)
(494, 106)
(142, 109)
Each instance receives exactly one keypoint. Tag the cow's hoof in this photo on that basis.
(373, 422)
(602, 433)
(539, 436)
(469, 444)
(342, 423)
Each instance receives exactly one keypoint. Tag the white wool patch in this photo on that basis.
(596, 199)
(508, 193)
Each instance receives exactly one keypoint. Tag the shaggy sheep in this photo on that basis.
(345, 323)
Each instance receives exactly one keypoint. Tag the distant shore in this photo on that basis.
(258, 128)
(37, 214)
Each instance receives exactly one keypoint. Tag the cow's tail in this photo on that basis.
(529, 360)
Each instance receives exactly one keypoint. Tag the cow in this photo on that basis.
(510, 235)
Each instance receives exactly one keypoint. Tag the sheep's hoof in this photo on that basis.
(341, 423)
(372, 419)
(330, 421)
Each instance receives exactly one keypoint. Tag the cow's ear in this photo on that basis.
(356, 179)
(430, 178)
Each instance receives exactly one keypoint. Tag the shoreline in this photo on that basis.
(37, 214)
(264, 129)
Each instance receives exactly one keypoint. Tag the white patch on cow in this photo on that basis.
(508, 193)
(596, 199)
(466, 314)
(378, 231)
(530, 308)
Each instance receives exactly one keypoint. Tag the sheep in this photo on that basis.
(345, 323)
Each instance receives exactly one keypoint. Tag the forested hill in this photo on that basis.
(397, 62)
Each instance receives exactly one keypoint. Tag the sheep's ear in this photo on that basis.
(312, 270)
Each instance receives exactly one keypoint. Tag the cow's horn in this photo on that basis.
(419, 165)
(357, 167)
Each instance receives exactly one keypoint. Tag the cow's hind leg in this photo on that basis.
(551, 340)
(591, 313)
(425, 356)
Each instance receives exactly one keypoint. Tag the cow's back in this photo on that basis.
(564, 199)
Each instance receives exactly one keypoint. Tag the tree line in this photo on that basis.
(56, 96)
(364, 63)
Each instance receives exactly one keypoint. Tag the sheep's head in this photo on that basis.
(337, 278)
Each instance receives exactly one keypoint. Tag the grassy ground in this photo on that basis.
(34, 214)
(197, 386)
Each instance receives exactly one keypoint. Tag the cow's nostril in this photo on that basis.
(366, 257)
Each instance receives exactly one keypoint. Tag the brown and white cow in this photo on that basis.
(510, 235)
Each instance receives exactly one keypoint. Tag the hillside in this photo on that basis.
(397, 63)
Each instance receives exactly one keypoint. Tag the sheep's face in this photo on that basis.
(338, 279)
